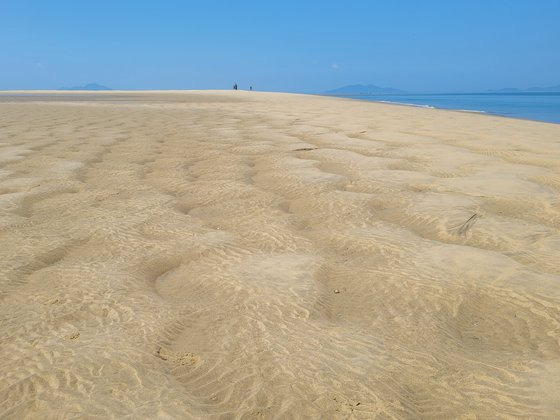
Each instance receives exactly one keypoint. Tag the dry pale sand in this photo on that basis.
(246, 255)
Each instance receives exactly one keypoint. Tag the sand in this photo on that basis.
(258, 255)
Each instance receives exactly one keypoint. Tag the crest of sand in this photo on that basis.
(247, 255)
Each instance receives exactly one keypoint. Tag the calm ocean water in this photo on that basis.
(540, 106)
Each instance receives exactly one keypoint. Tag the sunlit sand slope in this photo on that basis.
(236, 254)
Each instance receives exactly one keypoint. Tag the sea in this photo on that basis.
(538, 106)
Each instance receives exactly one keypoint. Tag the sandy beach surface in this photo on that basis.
(259, 255)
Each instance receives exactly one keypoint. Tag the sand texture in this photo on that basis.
(253, 255)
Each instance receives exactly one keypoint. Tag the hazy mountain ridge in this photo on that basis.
(89, 86)
(531, 89)
(362, 90)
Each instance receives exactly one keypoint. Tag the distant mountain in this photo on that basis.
(531, 89)
(505, 90)
(362, 90)
(89, 86)
(544, 89)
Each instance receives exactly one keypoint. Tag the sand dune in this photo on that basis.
(248, 255)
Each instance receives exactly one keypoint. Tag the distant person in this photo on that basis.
(235, 86)
(250, 87)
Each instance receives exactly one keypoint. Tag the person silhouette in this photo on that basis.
(235, 86)
(250, 87)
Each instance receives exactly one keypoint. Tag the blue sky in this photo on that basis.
(284, 45)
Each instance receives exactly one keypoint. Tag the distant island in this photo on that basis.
(362, 90)
(89, 86)
(531, 89)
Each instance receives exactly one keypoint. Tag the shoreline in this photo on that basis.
(427, 106)
(28, 93)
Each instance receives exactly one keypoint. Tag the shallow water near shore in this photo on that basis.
(538, 106)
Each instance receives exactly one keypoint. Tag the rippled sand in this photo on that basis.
(236, 254)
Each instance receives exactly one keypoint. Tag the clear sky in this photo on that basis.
(285, 45)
